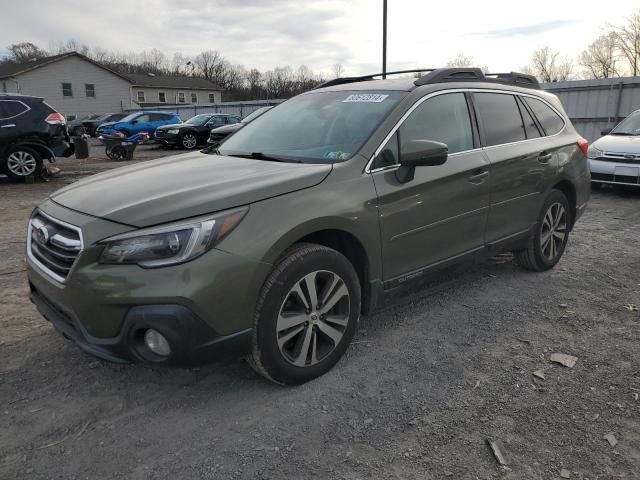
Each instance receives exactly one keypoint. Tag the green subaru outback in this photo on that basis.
(273, 245)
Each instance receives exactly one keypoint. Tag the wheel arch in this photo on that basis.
(349, 244)
(569, 190)
(45, 152)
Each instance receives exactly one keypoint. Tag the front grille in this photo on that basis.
(606, 177)
(53, 245)
(620, 157)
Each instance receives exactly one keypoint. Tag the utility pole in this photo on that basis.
(384, 38)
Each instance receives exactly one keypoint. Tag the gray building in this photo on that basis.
(76, 85)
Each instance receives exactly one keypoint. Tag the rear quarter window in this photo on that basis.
(551, 122)
(12, 108)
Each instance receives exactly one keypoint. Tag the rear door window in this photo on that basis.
(548, 118)
(530, 127)
(500, 118)
(10, 109)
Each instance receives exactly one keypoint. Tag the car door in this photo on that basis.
(11, 120)
(142, 124)
(521, 163)
(441, 213)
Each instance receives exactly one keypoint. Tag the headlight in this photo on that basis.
(593, 152)
(170, 244)
(173, 131)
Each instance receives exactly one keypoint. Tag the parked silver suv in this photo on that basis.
(615, 158)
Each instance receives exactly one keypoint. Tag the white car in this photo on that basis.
(615, 158)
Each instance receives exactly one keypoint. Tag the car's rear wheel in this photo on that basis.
(23, 162)
(548, 243)
(307, 313)
(189, 141)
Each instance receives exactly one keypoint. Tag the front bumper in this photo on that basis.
(192, 340)
(606, 171)
(167, 139)
(205, 307)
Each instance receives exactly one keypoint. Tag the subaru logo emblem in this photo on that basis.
(42, 235)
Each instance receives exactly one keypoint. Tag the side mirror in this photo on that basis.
(606, 131)
(420, 153)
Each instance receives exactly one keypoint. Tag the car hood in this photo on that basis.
(618, 144)
(173, 125)
(228, 128)
(184, 186)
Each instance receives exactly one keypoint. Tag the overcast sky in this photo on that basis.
(266, 33)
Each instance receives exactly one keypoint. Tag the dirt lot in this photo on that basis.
(439, 370)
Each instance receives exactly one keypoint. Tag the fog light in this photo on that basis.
(157, 343)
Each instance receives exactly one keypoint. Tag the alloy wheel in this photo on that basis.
(21, 164)
(313, 318)
(189, 141)
(554, 231)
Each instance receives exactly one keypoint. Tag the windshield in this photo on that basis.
(255, 114)
(198, 120)
(129, 117)
(319, 127)
(629, 126)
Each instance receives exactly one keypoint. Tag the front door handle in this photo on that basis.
(478, 177)
(544, 157)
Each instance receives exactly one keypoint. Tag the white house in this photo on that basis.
(76, 85)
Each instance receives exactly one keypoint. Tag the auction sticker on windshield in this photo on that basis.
(366, 97)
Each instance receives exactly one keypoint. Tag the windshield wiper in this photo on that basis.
(262, 156)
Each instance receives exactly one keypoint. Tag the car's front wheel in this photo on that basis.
(189, 141)
(307, 313)
(23, 162)
(547, 245)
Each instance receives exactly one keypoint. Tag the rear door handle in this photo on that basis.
(544, 157)
(478, 177)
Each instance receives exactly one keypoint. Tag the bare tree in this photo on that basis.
(208, 63)
(628, 41)
(463, 61)
(600, 58)
(25, 51)
(337, 70)
(547, 65)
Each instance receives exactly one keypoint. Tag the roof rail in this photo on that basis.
(440, 75)
(364, 78)
(516, 78)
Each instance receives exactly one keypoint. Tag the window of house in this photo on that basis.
(66, 90)
(180, 97)
(550, 120)
(212, 98)
(500, 116)
(162, 98)
(194, 98)
(140, 96)
(90, 89)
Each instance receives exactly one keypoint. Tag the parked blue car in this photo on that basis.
(139, 122)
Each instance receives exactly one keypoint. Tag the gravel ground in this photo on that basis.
(441, 369)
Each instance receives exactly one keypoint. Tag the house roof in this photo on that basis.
(164, 81)
(11, 69)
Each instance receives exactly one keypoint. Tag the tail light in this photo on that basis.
(584, 146)
(55, 118)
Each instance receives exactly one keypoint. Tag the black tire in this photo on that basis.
(22, 162)
(297, 263)
(117, 153)
(534, 257)
(189, 140)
